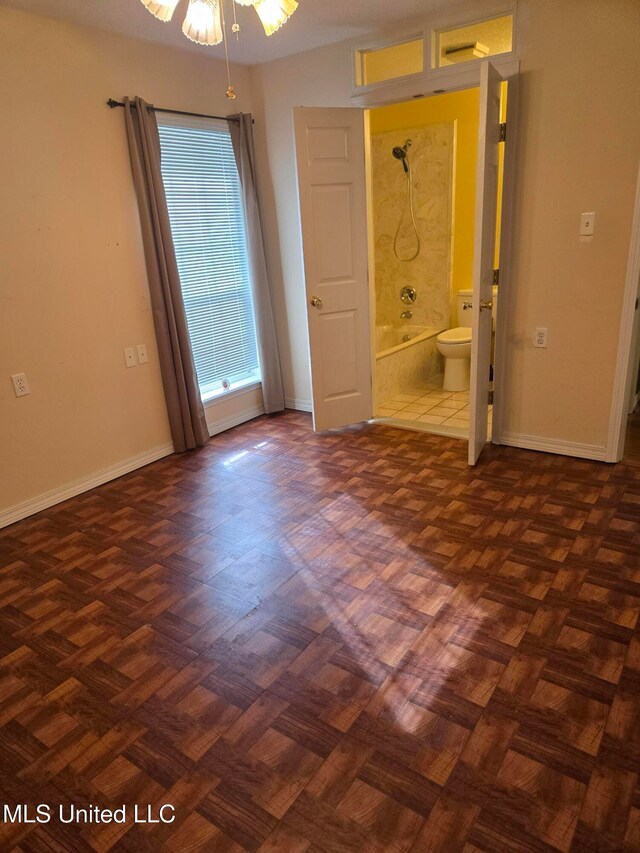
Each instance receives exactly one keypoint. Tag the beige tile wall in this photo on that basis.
(431, 160)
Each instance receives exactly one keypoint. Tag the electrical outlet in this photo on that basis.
(20, 384)
(130, 357)
(541, 337)
(143, 356)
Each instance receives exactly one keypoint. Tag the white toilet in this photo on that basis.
(455, 344)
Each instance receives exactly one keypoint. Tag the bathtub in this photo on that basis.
(390, 339)
(406, 357)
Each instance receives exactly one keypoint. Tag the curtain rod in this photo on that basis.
(113, 103)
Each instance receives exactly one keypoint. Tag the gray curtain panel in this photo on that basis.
(241, 130)
(184, 405)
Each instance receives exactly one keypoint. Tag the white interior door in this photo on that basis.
(331, 182)
(485, 238)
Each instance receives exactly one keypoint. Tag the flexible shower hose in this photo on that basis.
(409, 203)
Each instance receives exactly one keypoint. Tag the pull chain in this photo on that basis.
(235, 27)
(230, 92)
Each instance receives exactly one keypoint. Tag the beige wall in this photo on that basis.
(318, 78)
(579, 129)
(73, 288)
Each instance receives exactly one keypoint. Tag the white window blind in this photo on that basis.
(207, 222)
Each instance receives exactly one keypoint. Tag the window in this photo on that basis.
(474, 41)
(207, 222)
(387, 63)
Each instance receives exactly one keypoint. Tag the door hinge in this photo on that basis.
(496, 276)
(490, 398)
(503, 131)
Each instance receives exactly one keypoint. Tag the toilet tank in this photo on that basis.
(464, 314)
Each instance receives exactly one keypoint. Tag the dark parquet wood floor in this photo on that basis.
(339, 642)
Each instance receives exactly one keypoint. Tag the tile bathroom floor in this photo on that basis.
(430, 405)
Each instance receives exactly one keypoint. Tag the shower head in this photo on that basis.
(400, 153)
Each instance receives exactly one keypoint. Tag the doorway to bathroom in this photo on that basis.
(422, 191)
(338, 241)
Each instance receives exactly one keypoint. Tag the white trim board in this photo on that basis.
(84, 484)
(554, 445)
(221, 396)
(298, 405)
(453, 78)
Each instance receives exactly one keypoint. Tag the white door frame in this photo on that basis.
(468, 78)
(484, 253)
(505, 284)
(625, 370)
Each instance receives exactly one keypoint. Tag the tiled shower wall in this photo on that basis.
(431, 159)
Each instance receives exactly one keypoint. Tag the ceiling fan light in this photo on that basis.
(274, 13)
(203, 23)
(162, 9)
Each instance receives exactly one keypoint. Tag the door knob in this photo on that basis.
(486, 304)
(316, 301)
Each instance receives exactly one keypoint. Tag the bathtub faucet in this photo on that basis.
(406, 315)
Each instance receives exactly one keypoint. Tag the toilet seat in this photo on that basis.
(459, 335)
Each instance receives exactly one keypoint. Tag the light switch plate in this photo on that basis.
(130, 357)
(143, 356)
(587, 224)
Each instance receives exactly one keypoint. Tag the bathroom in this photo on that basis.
(422, 177)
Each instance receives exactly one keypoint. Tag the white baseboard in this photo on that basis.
(216, 426)
(77, 487)
(554, 445)
(299, 405)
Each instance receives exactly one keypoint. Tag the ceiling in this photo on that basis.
(315, 23)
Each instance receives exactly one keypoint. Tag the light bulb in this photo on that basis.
(203, 23)
(162, 9)
(274, 13)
